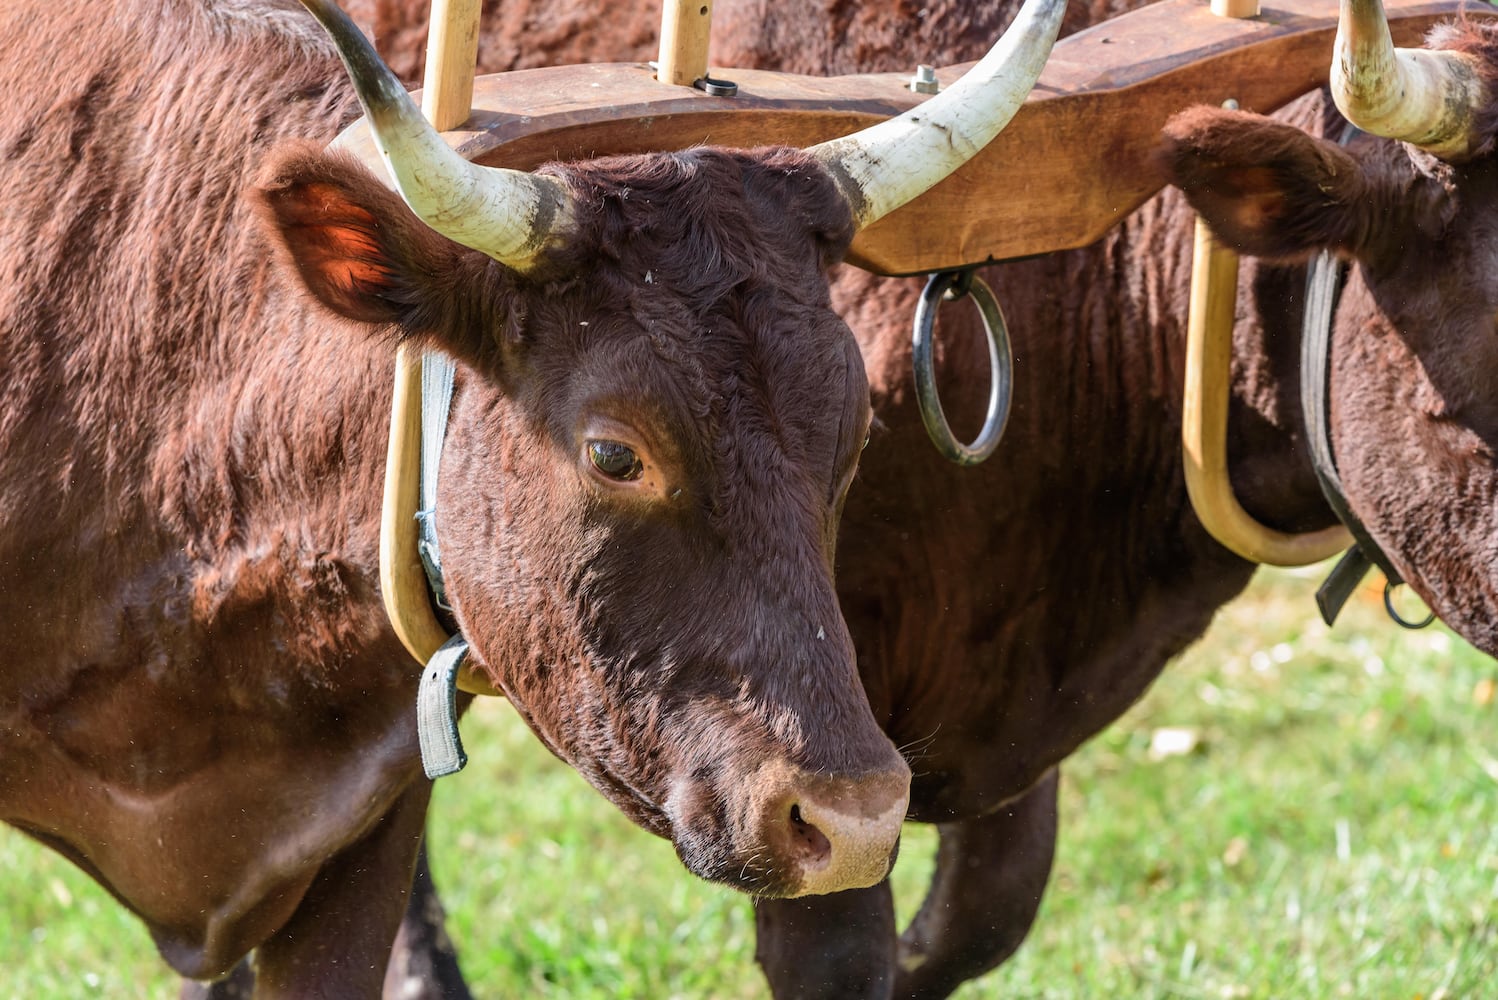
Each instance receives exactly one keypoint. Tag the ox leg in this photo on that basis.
(338, 942)
(237, 985)
(990, 874)
(836, 946)
(424, 964)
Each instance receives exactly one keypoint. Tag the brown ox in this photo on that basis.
(1003, 614)
(657, 420)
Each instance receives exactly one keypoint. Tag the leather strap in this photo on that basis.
(1323, 285)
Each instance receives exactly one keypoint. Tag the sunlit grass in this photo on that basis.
(1331, 832)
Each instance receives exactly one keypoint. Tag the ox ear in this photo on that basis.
(359, 250)
(1266, 188)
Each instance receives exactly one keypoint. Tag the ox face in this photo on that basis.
(650, 446)
(660, 419)
(1415, 352)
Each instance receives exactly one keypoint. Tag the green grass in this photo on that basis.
(1331, 834)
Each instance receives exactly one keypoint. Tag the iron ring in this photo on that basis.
(949, 286)
(1401, 622)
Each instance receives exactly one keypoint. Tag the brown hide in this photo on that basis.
(700, 337)
(1061, 574)
(825, 38)
(201, 702)
(1066, 570)
(188, 526)
(517, 34)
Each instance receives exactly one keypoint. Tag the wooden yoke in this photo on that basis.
(1204, 407)
(1072, 163)
(1204, 421)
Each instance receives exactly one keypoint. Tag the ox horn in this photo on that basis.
(884, 166)
(508, 214)
(1423, 97)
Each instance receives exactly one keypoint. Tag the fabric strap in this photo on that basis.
(437, 711)
(437, 371)
(437, 696)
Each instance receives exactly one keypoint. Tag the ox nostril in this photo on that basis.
(811, 845)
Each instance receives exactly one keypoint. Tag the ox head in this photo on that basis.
(658, 417)
(1415, 343)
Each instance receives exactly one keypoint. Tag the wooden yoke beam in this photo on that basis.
(1071, 164)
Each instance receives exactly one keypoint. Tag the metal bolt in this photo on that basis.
(924, 81)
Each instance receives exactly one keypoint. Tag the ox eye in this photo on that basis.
(615, 460)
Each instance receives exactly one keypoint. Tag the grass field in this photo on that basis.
(1330, 830)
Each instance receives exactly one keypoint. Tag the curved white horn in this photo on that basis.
(886, 165)
(508, 214)
(1423, 97)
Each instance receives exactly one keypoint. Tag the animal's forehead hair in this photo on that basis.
(716, 354)
(286, 18)
(718, 388)
(709, 215)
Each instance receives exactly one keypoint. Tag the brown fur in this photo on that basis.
(1415, 419)
(204, 705)
(820, 39)
(1063, 574)
(1004, 614)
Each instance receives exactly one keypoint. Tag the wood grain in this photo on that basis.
(1072, 163)
(1204, 421)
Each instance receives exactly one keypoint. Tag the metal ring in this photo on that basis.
(949, 286)
(1402, 623)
